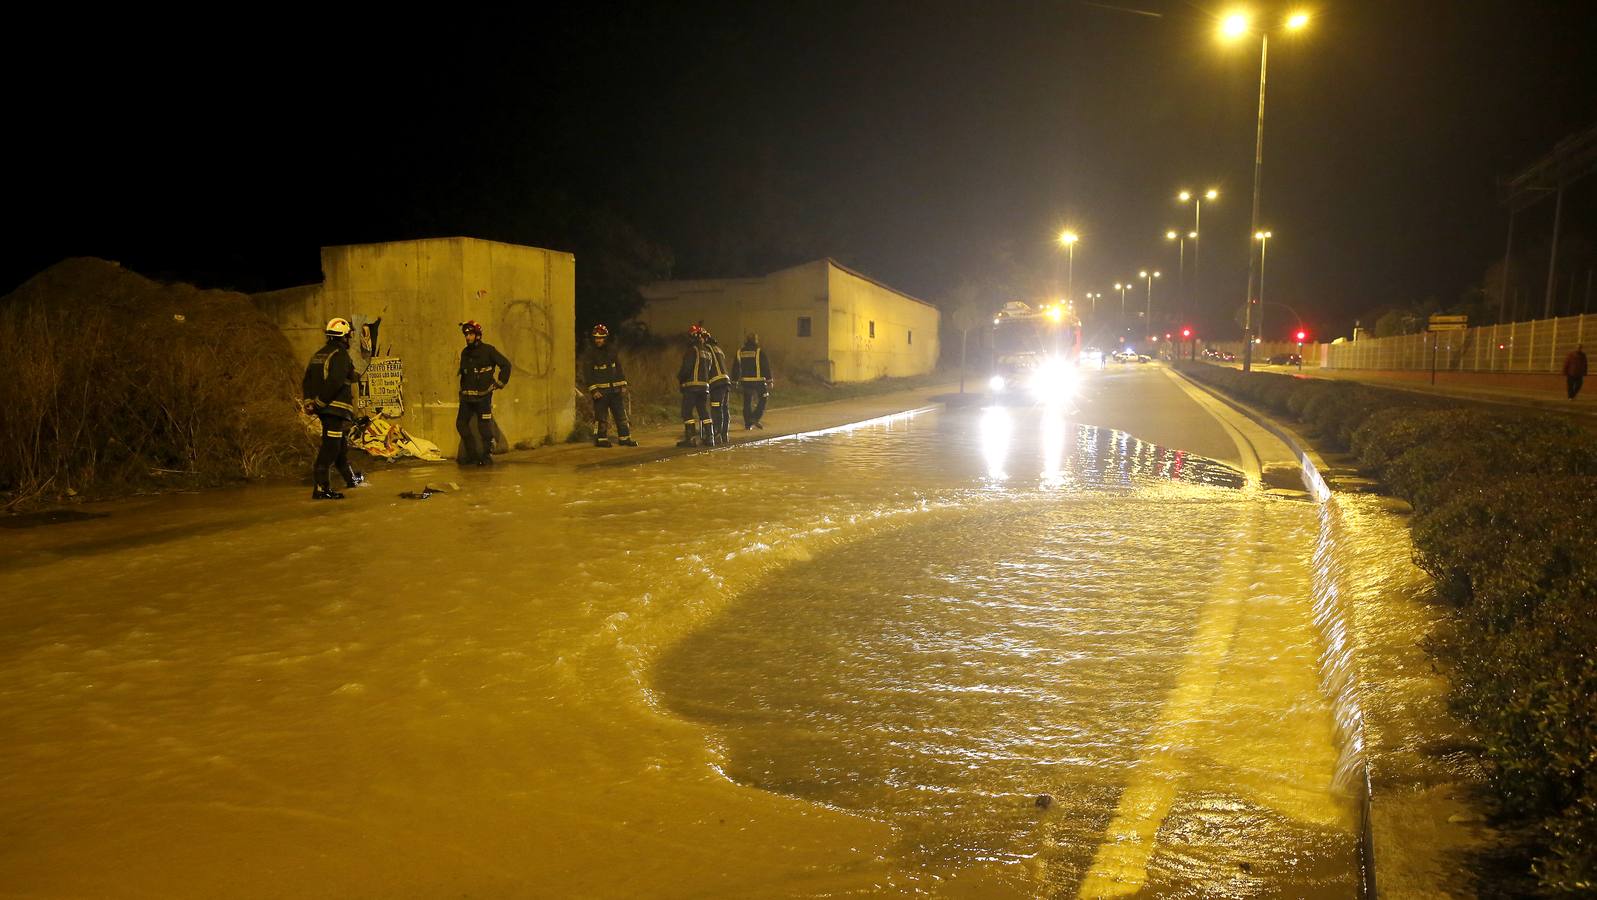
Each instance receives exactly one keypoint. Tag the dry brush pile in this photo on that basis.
(115, 384)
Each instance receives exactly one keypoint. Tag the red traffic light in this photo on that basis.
(1186, 333)
(1302, 335)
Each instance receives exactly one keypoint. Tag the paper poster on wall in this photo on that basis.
(380, 389)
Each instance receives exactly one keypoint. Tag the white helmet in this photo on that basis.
(338, 328)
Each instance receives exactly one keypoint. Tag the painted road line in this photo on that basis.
(1120, 867)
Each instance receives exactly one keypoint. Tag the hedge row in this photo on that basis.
(1505, 507)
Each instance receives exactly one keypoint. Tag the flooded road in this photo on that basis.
(845, 662)
(1077, 635)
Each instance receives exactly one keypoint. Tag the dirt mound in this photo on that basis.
(116, 383)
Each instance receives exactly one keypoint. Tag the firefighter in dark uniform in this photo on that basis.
(752, 372)
(607, 385)
(720, 387)
(483, 370)
(328, 390)
(693, 377)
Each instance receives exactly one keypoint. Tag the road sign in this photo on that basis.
(1448, 323)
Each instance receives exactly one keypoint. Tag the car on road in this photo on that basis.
(1285, 359)
(1131, 356)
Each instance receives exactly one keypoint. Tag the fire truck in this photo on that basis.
(1036, 351)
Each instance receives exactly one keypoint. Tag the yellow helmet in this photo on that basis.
(338, 328)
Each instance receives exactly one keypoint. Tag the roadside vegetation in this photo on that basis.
(116, 384)
(1505, 521)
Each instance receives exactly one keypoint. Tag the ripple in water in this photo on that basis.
(942, 679)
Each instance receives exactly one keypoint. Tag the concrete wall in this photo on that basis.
(839, 304)
(905, 329)
(523, 296)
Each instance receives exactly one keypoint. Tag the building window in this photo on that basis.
(911, 335)
(873, 328)
(804, 326)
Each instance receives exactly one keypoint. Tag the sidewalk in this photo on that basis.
(1551, 400)
(659, 442)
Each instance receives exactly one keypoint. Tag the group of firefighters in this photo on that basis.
(706, 383)
(328, 392)
(703, 377)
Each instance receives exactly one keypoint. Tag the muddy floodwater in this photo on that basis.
(971, 652)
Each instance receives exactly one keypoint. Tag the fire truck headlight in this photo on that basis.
(995, 383)
(1055, 380)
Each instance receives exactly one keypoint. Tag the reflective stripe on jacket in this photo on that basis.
(482, 370)
(601, 369)
(329, 381)
(752, 365)
(695, 369)
(718, 366)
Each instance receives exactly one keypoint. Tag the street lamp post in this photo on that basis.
(1181, 262)
(1197, 221)
(1068, 240)
(1150, 276)
(1263, 237)
(1238, 25)
(1122, 288)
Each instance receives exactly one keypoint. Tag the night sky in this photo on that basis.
(923, 143)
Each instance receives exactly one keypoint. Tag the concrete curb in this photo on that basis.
(1311, 464)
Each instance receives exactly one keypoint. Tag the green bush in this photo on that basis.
(1386, 433)
(1337, 409)
(1470, 448)
(1505, 546)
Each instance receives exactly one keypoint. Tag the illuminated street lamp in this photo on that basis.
(1263, 237)
(1068, 239)
(1236, 26)
(1122, 288)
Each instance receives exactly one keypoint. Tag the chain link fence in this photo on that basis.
(1537, 346)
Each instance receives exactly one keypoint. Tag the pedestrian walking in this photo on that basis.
(720, 387)
(483, 370)
(693, 377)
(1575, 370)
(607, 385)
(752, 371)
(328, 392)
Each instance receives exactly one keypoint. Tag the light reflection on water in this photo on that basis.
(942, 678)
(1065, 453)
